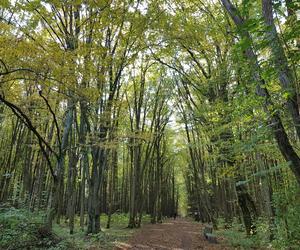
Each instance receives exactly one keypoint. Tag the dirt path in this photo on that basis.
(180, 234)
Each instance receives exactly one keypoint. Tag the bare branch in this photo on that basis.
(54, 118)
(26, 120)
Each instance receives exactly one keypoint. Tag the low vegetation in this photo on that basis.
(21, 229)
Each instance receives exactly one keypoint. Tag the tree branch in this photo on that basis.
(26, 120)
(54, 118)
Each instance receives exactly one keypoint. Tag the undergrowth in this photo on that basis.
(22, 229)
(286, 228)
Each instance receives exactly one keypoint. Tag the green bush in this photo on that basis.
(287, 219)
(286, 229)
(236, 236)
(21, 229)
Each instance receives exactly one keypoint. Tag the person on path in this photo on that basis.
(175, 215)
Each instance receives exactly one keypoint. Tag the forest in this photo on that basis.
(118, 115)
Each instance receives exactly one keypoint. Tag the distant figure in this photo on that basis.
(197, 216)
(175, 215)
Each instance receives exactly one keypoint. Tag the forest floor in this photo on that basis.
(179, 234)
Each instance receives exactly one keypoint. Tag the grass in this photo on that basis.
(106, 239)
(237, 238)
(21, 229)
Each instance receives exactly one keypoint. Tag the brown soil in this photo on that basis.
(179, 234)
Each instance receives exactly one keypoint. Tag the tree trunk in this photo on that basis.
(283, 142)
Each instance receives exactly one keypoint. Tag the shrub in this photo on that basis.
(21, 229)
(287, 219)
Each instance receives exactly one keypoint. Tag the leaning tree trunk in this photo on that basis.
(280, 135)
(280, 63)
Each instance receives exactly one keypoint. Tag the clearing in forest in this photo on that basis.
(179, 234)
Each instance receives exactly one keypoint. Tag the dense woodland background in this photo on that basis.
(151, 107)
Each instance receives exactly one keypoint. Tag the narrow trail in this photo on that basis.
(179, 234)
